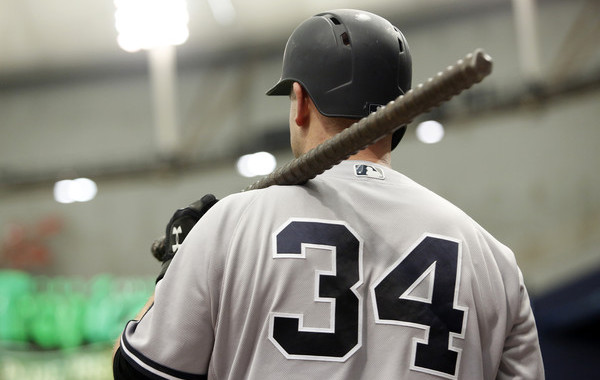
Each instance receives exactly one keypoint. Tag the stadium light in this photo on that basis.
(256, 164)
(157, 26)
(147, 24)
(430, 132)
(75, 190)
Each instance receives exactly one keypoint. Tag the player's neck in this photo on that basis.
(376, 156)
(379, 152)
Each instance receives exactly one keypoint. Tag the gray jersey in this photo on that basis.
(359, 274)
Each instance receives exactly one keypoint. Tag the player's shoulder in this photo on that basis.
(248, 198)
(436, 206)
(445, 215)
(257, 201)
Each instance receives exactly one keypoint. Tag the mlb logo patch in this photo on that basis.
(370, 171)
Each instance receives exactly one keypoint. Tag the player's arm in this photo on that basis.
(522, 356)
(122, 369)
(179, 226)
(137, 318)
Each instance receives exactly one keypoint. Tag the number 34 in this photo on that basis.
(434, 259)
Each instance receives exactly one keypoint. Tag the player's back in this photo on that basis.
(361, 274)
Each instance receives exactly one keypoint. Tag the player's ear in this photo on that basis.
(300, 97)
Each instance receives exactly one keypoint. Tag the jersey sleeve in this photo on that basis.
(174, 339)
(521, 357)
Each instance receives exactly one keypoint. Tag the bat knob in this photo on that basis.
(158, 249)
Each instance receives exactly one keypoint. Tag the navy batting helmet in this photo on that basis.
(350, 62)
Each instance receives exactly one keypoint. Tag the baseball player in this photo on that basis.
(360, 273)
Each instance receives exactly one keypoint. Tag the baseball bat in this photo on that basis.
(470, 70)
(401, 111)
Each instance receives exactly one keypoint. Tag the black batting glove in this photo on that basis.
(181, 223)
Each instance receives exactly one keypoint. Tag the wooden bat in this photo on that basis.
(446, 84)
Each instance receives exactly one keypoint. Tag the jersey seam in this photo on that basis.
(381, 182)
(212, 369)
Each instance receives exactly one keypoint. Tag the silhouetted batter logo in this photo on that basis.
(362, 170)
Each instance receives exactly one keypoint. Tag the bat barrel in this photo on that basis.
(472, 69)
(445, 85)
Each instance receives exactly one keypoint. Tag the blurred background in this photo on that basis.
(104, 133)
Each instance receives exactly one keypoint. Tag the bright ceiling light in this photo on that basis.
(430, 132)
(75, 190)
(61, 191)
(256, 164)
(147, 24)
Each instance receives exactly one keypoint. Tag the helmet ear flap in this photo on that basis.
(397, 136)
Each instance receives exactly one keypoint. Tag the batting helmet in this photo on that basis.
(349, 61)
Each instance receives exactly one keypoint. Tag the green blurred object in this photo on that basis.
(101, 309)
(43, 325)
(15, 289)
(67, 312)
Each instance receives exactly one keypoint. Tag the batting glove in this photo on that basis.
(179, 226)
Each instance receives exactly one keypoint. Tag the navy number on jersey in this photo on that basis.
(338, 286)
(420, 290)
